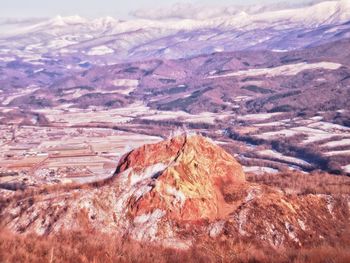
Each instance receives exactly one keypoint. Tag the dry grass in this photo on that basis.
(85, 247)
(96, 247)
(300, 183)
(82, 247)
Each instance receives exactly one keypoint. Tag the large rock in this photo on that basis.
(176, 191)
(189, 177)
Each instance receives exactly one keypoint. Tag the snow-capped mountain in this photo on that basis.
(107, 40)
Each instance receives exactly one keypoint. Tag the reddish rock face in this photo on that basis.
(192, 184)
(178, 191)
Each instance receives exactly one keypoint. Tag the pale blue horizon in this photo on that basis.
(98, 8)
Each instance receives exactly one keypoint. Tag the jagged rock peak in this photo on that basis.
(187, 177)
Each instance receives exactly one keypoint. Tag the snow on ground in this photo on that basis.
(307, 130)
(274, 134)
(78, 92)
(279, 50)
(333, 153)
(259, 170)
(87, 179)
(60, 43)
(281, 157)
(206, 117)
(220, 142)
(242, 98)
(134, 110)
(126, 82)
(129, 85)
(99, 51)
(314, 138)
(328, 126)
(259, 116)
(84, 116)
(146, 226)
(313, 134)
(346, 168)
(30, 57)
(267, 124)
(317, 118)
(23, 92)
(7, 59)
(33, 47)
(321, 131)
(343, 142)
(285, 70)
(203, 117)
(74, 116)
(67, 51)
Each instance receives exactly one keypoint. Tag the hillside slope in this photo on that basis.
(177, 191)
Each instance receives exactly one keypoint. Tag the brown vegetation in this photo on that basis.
(302, 183)
(94, 247)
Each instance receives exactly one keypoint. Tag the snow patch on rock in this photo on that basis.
(135, 184)
(252, 194)
(146, 225)
(291, 233)
(179, 197)
(216, 229)
(302, 224)
(242, 220)
(148, 173)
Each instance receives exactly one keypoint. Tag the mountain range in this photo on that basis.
(78, 41)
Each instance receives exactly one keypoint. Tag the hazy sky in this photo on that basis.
(96, 8)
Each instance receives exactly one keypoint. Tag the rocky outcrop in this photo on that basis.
(189, 177)
(176, 191)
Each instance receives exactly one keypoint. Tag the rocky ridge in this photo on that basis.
(176, 191)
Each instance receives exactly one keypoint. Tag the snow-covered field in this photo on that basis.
(7, 100)
(126, 82)
(334, 153)
(126, 114)
(274, 134)
(7, 59)
(60, 43)
(129, 85)
(258, 117)
(259, 170)
(281, 157)
(99, 51)
(343, 142)
(285, 70)
(346, 168)
(314, 131)
(267, 124)
(330, 127)
(84, 116)
(204, 117)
